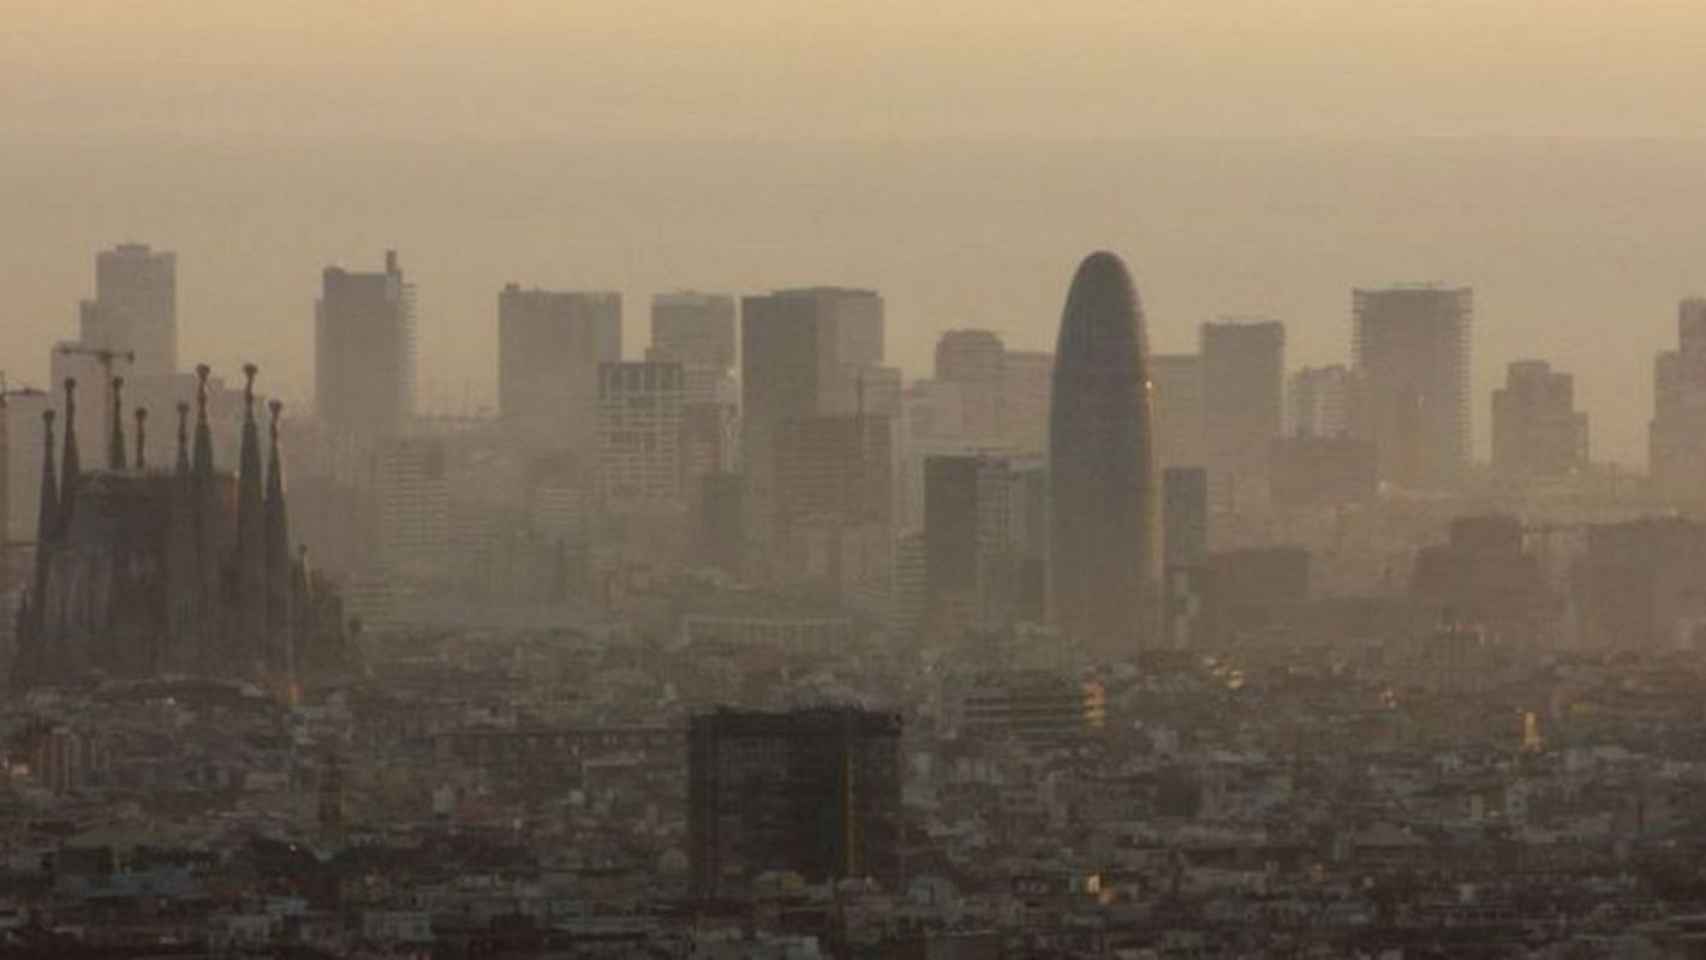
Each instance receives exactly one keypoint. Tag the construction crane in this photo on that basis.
(103, 355)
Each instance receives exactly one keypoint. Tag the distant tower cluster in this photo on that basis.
(141, 571)
(1411, 347)
(1104, 543)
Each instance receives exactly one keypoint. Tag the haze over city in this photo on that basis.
(764, 481)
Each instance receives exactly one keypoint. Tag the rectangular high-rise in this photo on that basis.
(1537, 431)
(1319, 402)
(695, 329)
(639, 435)
(1176, 390)
(1677, 433)
(364, 351)
(804, 353)
(815, 792)
(1411, 347)
(983, 539)
(1243, 383)
(135, 307)
(550, 346)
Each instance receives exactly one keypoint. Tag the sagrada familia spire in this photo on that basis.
(144, 573)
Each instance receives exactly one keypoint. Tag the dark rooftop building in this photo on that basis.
(815, 792)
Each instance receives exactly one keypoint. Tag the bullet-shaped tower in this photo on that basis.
(1104, 563)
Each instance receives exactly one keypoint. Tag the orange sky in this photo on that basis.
(874, 68)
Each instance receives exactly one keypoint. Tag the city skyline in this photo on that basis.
(1542, 274)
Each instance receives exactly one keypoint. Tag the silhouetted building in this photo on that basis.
(695, 329)
(22, 410)
(834, 496)
(1641, 586)
(364, 351)
(984, 524)
(1249, 592)
(719, 530)
(143, 570)
(1027, 377)
(1677, 434)
(1412, 348)
(804, 353)
(976, 360)
(1312, 470)
(414, 509)
(1178, 400)
(1537, 431)
(1484, 577)
(639, 435)
(550, 345)
(1104, 541)
(1320, 402)
(1243, 383)
(1184, 516)
(135, 307)
(815, 792)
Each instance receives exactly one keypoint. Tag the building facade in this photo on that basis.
(1677, 434)
(550, 346)
(1537, 431)
(1243, 382)
(1104, 537)
(135, 308)
(364, 351)
(640, 433)
(1412, 353)
(814, 792)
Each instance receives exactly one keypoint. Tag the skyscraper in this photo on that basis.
(1104, 545)
(976, 361)
(550, 345)
(639, 435)
(1319, 402)
(1677, 434)
(1411, 347)
(696, 329)
(1026, 381)
(1537, 431)
(1177, 396)
(804, 353)
(364, 351)
(1243, 376)
(135, 307)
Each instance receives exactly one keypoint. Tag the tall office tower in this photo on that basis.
(1184, 551)
(804, 353)
(135, 307)
(639, 436)
(976, 360)
(1177, 396)
(364, 351)
(1411, 347)
(1104, 548)
(815, 792)
(1027, 377)
(834, 498)
(1677, 434)
(550, 345)
(1243, 365)
(984, 519)
(414, 509)
(696, 329)
(1319, 402)
(1537, 431)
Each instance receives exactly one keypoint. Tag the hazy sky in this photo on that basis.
(871, 68)
(1248, 158)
